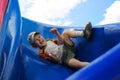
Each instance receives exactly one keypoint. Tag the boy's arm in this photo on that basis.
(47, 56)
(55, 31)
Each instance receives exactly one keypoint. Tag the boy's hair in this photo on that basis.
(31, 38)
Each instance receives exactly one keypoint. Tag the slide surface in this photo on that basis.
(19, 61)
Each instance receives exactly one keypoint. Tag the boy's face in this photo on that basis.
(39, 41)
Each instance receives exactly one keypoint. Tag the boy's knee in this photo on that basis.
(65, 33)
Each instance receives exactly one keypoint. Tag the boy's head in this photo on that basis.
(36, 40)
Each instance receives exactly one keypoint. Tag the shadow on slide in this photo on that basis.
(19, 61)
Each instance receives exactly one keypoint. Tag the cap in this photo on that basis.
(31, 37)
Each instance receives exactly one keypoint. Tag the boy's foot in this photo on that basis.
(88, 30)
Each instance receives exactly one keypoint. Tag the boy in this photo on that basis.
(53, 50)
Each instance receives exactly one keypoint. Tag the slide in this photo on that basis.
(19, 61)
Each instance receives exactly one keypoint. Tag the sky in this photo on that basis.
(71, 12)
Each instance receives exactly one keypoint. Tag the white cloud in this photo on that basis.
(112, 14)
(84, 0)
(48, 11)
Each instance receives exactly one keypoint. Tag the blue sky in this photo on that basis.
(71, 12)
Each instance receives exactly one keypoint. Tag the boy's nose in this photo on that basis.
(40, 40)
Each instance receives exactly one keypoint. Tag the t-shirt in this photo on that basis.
(54, 50)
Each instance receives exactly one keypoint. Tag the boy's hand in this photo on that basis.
(54, 30)
(51, 55)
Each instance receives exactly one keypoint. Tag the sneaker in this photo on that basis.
(88, 30)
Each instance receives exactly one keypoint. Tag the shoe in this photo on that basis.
(88, 30)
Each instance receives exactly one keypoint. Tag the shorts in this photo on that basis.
(68, 53)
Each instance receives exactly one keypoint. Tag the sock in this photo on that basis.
(79, 33)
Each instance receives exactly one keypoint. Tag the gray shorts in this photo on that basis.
(68, 53)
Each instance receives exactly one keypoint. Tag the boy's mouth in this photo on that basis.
(42, 42)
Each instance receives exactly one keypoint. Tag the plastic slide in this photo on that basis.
(19, 61)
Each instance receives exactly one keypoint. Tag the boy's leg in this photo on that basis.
(76, 63)
(67, 34)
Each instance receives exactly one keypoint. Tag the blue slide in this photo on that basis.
(19, 61)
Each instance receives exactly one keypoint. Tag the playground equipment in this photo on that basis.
(19, 61)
